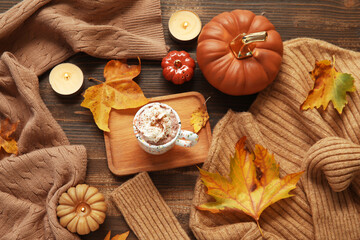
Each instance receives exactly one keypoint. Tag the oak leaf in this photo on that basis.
(117, 237)
(6, 142)
(330, 85)
(119, 91)
(253, 183)
(199, 118)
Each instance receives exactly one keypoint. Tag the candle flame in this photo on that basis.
(185, 25)
(67, 76)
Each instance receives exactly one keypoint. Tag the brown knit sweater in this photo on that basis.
(35, 35)
(325, 144)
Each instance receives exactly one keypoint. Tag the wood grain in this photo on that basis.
(125, 156)
(337, 22)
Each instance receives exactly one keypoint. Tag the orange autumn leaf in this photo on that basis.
(329, 85)
(253, 183)
(119, 91)
(119, 70)
(118, 236)
(6, 142)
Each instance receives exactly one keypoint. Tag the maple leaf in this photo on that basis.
(252, 185)
(6, 142)
(330, 85)
(117, 237)
(119, 91)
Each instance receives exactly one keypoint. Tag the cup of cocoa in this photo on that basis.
(157, 128)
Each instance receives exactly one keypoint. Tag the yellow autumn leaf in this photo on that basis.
(199, 118)
(329, 85)
(6, 142)
(253, 183)
(119, 91)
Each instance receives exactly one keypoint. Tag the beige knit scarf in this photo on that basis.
(40, 34)
(325, 144)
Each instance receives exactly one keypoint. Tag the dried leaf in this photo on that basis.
(107, 237)
(330, 85)
(252, 185)
(199, 118)
(119, 91)
(118, 236)
(121, 237)
(6, 142)
(118, 70)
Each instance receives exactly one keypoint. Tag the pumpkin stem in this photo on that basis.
(177, 63)
(242, 46)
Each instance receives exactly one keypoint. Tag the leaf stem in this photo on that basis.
(204, 104)
(96, 80)
(207, 100)
(262, 234)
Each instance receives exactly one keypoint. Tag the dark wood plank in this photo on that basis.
(337, 22)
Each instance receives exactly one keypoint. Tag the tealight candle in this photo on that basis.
(184, 25)
(66, 79)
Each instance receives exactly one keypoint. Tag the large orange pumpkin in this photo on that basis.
(239, 53)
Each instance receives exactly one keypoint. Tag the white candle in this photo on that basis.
(66, 79)
(184, 25)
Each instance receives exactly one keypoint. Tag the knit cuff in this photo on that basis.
(146, 35)
(145, 211)
(330, 165)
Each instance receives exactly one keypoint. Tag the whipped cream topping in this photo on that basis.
(157, 124)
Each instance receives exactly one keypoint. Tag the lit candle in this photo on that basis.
(66, 79)
(184, 25)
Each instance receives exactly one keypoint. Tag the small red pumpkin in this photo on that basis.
(239, 53)
(178, 67)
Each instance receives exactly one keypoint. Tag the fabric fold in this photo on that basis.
(47, 165)
(330, 166)
(55, 30)
(35, 36)
(31, 185)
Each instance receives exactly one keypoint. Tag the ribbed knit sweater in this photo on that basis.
(326, 145)
(35, 35)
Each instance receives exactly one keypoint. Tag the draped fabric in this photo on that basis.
(36, 35)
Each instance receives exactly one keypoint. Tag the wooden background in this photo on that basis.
(337, 22)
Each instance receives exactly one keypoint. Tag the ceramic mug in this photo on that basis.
(182, 138)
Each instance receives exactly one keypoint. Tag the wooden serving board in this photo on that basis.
(124, 154)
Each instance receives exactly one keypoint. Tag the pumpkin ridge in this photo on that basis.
(219, 22)
(263, 26)
(246, 71)
(222, 26)
(264, 45)
(226, 78)
(221, 60)
(235, 13)
(249, 26)
(266, 70)
(242, 83)
(219, 56)
(223, 48)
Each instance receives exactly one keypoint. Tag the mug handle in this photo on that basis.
(187, 139)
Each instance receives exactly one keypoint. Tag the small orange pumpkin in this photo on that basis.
(239, 53)
(178, 67)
